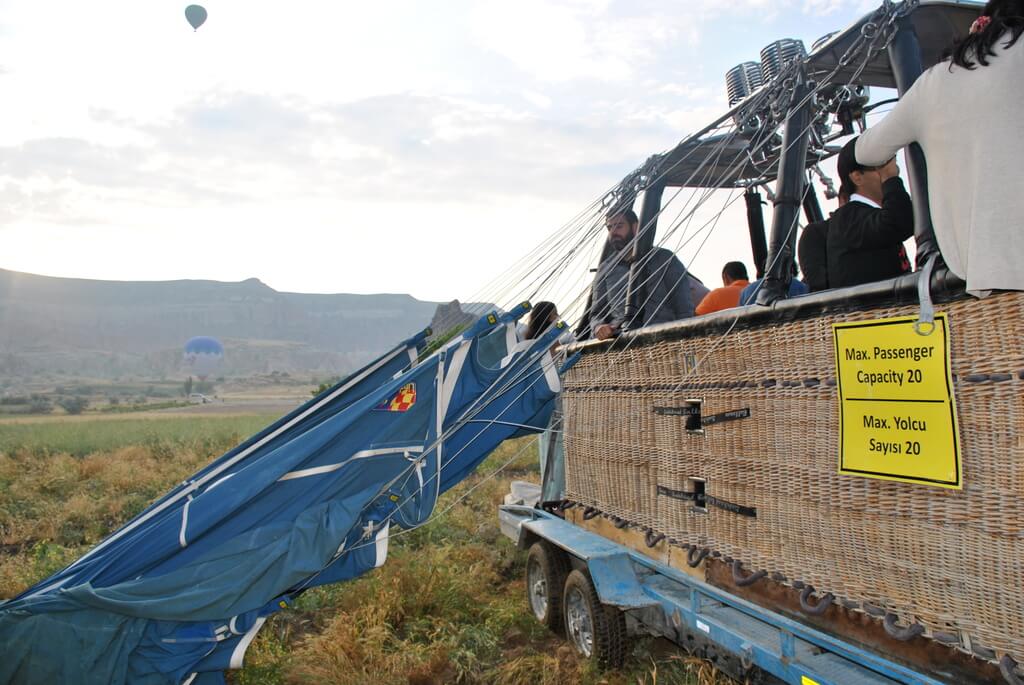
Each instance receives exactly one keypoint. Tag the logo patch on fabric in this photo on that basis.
(403, 400)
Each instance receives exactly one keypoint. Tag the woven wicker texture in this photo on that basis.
(950, 560)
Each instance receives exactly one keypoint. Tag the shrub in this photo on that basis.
(40, 404)
(73, 405)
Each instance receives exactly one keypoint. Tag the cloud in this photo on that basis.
(229, 148)
(470, 112)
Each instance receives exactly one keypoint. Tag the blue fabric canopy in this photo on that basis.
(179, 592)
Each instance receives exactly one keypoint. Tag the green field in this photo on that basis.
(448, 607)
(86, 435)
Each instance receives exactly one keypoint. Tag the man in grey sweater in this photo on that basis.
(661, 287)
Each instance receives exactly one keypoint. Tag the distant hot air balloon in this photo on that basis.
(203, 355)
(196, 15)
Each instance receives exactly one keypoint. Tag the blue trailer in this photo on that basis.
(600, 593)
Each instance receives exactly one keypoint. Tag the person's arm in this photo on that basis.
(893, 223)
(598, 304)
(899, 128)
(676, 279)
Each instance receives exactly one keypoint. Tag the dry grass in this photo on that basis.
(448, 607)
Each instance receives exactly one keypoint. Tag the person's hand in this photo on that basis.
(889, 170)
(604, 331)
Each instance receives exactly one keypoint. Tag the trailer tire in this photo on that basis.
(596, 631)
(546, 570)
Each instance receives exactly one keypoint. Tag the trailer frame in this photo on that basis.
(661, 600)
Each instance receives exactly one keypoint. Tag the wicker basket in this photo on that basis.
(951, 560)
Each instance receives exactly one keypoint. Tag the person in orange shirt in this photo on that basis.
(734, 279)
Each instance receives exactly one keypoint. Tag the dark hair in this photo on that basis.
(540, 317)
(735, 271)
(1004, 15)
(626, 213)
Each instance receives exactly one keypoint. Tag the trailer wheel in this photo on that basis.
(596, 631)
(546, 569)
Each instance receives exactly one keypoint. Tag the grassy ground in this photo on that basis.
(448, 606)
(90, 435)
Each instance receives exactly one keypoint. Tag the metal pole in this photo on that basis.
(755, 224)
(649, 212)
(905, 60)
(788, 197)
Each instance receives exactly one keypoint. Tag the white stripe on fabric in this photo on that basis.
(184, 522)
(363, 454)
(451, 378)
(439, 406)
(218, 482)
(232, 626)
(238, 655)
(514, 350)
(381, 545)
(547, 362)
(223, 467)
(188, 681)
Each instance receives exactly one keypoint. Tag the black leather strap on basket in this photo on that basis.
(814, 609)
(744, 581)
(590, 512)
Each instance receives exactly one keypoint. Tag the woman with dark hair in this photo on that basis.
(966, 113)
(542, 315)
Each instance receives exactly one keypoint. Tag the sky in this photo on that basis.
(350, 147)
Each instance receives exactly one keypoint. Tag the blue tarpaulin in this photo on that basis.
(178, 593)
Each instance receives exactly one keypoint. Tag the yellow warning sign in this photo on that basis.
(897, 417)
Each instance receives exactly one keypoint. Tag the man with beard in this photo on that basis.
(662, 290)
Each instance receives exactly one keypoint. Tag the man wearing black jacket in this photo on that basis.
(865, 236)
(663, 292)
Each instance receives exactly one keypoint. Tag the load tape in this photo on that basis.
(730, 506)
(677, 494)
(726, 416)
(708, 499)
(694, 410)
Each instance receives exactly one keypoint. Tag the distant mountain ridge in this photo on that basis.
(114, 328)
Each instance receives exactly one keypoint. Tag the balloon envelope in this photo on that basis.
(196, 15)
(203, 355)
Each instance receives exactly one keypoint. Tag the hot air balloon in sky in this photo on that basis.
(203, 355)
(196, 15)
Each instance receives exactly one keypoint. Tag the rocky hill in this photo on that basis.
(108, 329)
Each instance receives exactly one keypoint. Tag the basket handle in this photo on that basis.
(911, 631)
(744, 581)
(694, 561)
(652, 538)
(814, 609)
